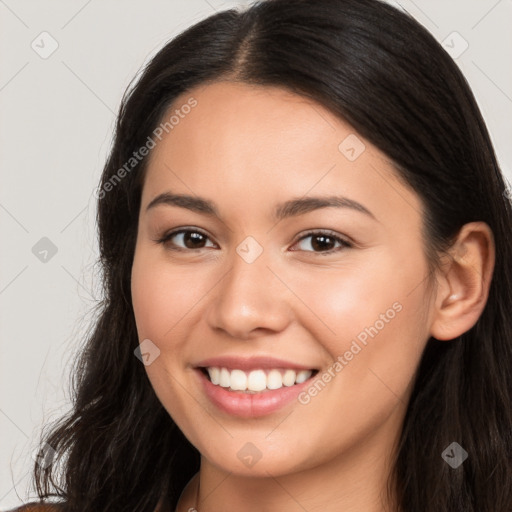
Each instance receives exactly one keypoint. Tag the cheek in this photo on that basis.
(162, 296)
(373, 326)
(163, 300)
(343, 302)
(375, 319)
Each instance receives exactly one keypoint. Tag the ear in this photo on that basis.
(463, 282)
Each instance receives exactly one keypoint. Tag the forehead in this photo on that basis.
(247, 126)
(239, 138)
(256, 114)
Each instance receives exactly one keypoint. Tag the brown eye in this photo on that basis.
(185, 239)
(324, 242)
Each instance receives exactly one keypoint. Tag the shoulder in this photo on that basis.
(38, 507)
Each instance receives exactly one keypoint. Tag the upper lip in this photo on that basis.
(250, 363)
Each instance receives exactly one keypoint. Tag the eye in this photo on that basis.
(189, 239)
(323, 241)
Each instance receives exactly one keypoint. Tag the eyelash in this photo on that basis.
(345, 244)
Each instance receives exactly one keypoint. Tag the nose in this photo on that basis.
(250, 300)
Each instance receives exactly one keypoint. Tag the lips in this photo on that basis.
(251, 387)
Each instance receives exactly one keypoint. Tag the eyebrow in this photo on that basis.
(291, 208)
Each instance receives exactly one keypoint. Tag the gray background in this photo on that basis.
(57, 116)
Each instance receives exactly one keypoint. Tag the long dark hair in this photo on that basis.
(380, 70)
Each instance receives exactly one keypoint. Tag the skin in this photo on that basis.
(248, 148)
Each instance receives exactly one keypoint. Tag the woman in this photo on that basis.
(305, 238)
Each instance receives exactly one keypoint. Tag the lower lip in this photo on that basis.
(247, 405)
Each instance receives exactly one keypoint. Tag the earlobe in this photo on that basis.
(464, 282)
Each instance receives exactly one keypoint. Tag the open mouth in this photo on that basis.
(256, 381)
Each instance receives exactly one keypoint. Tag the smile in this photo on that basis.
(256, 381)
(255, 386)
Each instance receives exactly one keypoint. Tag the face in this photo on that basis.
(319, 307)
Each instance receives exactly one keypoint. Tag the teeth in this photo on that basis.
(238, 380)
(289, 378)
(225, 378)
(214, 375)
(274, 379)
(302, 376)
(256, 380)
